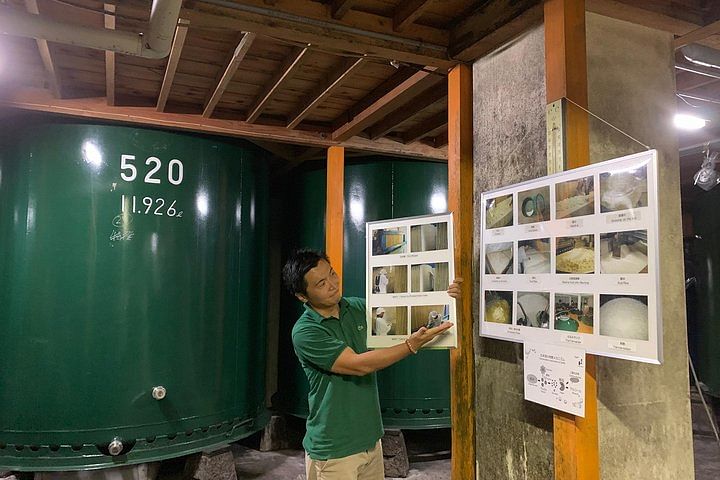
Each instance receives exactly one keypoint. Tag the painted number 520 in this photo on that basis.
(129, 170)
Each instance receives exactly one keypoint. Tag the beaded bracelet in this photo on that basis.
(410, 347)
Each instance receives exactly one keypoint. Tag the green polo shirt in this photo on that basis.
(344, 409)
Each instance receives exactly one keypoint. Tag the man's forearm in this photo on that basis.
(351, 363)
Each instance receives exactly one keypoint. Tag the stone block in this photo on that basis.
(215, 465)
(395, 455)
(275, 435)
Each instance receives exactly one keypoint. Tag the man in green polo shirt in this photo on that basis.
(330, 339)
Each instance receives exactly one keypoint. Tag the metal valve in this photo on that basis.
(159, 392)
(116, 447)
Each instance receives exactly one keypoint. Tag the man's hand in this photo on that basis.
(424, 335)
(454, 289)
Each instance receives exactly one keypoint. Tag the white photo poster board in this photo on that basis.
(410, 264)
(572, 259)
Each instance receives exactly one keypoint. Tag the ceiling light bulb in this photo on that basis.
(688, 122)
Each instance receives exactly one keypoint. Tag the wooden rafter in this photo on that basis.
(43, 101)
(410, 109)
(407, 12)
(109, 19)
(491, 26)
(697, 35)
(325, 89)
(440, 140)
(393, 81)
(290, 66)
(418, 82)
(47, 59)
(425, 128)
(308, 22)
(338, 8)
(173, 60)
(227, 76)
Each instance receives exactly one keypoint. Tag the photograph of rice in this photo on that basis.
(624, 316)
(534, 205)
(390, 279)
(389, 321)
(499, 212)
(575, 254)
(624, 252)
(499, 258)
(429, 237)
(428, 316)
(575, 198)
(498, 306)
(430, 277)
(574, 312)
(386, 241)
(533, 309)
(533, 256)
(623, 189)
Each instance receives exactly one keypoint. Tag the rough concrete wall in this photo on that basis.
(514, 437)
(644, 413)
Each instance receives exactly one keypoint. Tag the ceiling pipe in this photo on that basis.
(154, 43)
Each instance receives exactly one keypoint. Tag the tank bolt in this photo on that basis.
(115, 447)
(159, 392)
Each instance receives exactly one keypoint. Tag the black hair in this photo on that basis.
(298, 264)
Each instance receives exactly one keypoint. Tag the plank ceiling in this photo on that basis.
(367, 74)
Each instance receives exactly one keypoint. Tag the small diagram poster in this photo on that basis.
(410, 264)
(555, 377)
(572, 259)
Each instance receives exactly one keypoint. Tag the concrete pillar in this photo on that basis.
(644, 419)
(644, 410)
(514, 437)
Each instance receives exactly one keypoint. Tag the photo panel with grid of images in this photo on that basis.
(564, 255)
(410, 266)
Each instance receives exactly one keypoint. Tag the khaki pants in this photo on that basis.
(367, 465)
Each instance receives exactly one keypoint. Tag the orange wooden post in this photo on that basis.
(335, 208)
(575, 438)
(460, 202)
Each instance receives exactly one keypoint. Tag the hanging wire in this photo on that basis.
(647, 147)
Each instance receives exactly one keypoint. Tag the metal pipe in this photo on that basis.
(291, 17)
(697, 70)
(698, 97)
(155, 44)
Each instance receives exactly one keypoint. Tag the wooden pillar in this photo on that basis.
(575, 439)
(460, 202)
(335, 208)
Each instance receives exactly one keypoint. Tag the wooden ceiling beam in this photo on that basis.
(307, 22)
(425, 128)
(491, 26)
(338, 8)
(286, 72)
(416, 83)
(47, 59)
(173, 60)
(227, 76)
(393, 81)
(407, 12)
(109, 19)
(325, 89)
(647, 18)
(96, 108)
(441, 139)
(407, 111)
(697, 35)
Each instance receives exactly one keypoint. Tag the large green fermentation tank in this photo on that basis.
(414, 393)
(132, 295)
(704, 325)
